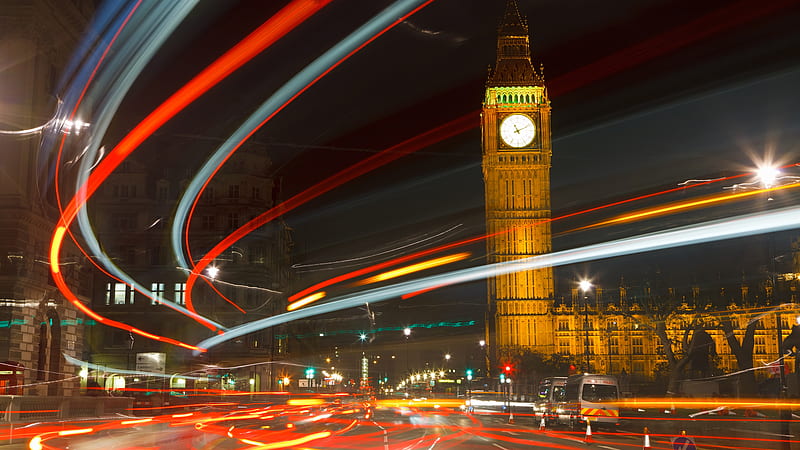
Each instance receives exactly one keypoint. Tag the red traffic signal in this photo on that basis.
(508, 368)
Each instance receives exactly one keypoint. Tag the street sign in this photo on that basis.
(151, 362)
(683, 443)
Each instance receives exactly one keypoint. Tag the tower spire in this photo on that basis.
(514, 66)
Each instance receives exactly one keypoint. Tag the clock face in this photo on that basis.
(517, 130)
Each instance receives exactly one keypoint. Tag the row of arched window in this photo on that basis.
(515, 98)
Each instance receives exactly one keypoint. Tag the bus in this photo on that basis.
(589, 397)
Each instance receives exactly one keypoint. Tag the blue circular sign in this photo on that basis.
(683, 443)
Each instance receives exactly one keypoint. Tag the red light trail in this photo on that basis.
(264, 36)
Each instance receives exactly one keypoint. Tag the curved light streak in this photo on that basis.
(576, 79)
(136, 55)
(381, 253)
(684, 205)
(424, 265)
(463, 242)
(374, 28)
(272, 30)
(778, 220)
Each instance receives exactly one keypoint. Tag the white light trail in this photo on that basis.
(777, 220)
(381, 253)
(294, 87)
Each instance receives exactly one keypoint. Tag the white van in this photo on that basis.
(592, 398)
(549, 395)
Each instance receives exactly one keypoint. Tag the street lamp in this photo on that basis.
(482, 343)
(768, 176)
(585, 286)
(407, 333)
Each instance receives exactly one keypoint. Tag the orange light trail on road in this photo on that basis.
(264, 36)
(288, 443)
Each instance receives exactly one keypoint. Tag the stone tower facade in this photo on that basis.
(516, 144)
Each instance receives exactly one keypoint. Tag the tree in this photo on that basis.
(743, 351)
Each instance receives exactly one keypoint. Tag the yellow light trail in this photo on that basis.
(305, 300)
(415, 268)
(674, 207)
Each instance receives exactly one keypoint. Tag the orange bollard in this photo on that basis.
(646, 445)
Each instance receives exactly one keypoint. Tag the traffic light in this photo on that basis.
(469, 374)
(310, 372)
(507, 369)
(502, 378)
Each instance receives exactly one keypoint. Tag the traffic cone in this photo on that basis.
(511, 417)
(646, 445)
(542, 424)
(588, 438)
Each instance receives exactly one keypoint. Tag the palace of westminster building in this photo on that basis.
(612, 331)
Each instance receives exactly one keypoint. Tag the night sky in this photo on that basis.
(645, 94)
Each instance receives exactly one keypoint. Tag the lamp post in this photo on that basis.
(407, 333)
(767, 175)
(482, 344)
(585, 286)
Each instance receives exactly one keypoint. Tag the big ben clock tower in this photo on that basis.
(516, 142)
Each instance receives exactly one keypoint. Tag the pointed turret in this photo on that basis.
(514, 66)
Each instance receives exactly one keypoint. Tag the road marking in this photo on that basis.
(434, 443)
(499, 446)
(609, 448)
(511, 432)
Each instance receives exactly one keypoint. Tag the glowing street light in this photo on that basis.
(407, 333)
(768, 175)
(212, 272)
(362, 337)
(585, 286)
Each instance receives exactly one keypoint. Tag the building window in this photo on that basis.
(563, 346)
(118, 294)
(760, 345)
(637, 346)
(163, 193)
(233, 220)
(613, 346)
(124, 221)
(180, 293)
(208, 194)
(233, 191)
(256, 193)
(158, 291)
(257, 254)
(155, 256)
(208, 222)
(123, 191)
(563, 325)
